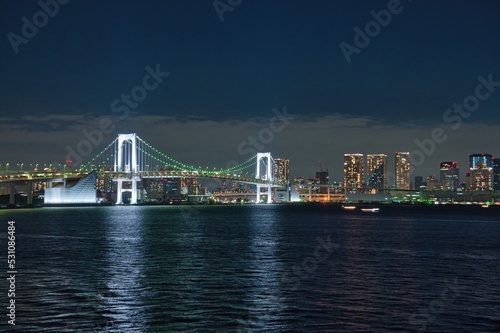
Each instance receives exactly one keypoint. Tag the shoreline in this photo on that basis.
(322, 204)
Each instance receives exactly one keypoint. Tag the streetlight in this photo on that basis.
(7, 167)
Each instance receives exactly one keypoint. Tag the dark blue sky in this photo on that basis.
(265, 54)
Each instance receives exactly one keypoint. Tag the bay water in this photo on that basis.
(254, 268)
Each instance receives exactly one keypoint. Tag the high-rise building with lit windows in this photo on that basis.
(377, 171)
(353, 170)
(281, 169)
(477, 161)
(402, 167)
(432, 183)
(449, 176)
(496, 174)
(481, 172)
(189, 186)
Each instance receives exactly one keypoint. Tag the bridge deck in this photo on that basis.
(54, 175)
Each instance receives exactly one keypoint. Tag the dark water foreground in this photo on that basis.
(254, 268)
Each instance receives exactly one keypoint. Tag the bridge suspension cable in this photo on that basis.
(154, 154)
(148, 157)
(106, 155)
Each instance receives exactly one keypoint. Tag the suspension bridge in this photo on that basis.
(129, 159)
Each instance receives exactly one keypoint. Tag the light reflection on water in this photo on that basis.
(124, 263)
(228, 269)
(264, 295)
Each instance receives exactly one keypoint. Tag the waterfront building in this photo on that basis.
(281, 169)
(402, 167)
(377, 171)
(322, 178)
(353, 170)
(299, 181)
(496, 174)
(160, 188)
(432, 183)
(480, 161)
(189, 186)
(481, 179)
(419, 182)
(481, 172)
(83, 192)
(449, 176)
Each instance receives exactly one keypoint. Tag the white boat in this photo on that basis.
(370, 210)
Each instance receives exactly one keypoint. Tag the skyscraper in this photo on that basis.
(432, 183)
(449, 175)
(189, 186)
(419, 182)
(322, 178)
(353, 170)
(281, 169)
(496, 174)
(481, 172)
(402, 167)
(477, 161)
(377, 171)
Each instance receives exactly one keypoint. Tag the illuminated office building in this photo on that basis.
(467, 181)
(432, 183)
(402, 167)
(353, 170)
(477, 161)
(481, 172)
(281, 169)
(496, 174)
(449, 176)
(377, 171)
(322, 178)
(189, 186)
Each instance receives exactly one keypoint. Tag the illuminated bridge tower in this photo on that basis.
(267, 162)
(126, 164)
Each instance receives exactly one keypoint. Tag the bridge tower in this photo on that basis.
(267, 160)
(126, 164)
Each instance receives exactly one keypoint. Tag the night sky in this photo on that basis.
(225, 77)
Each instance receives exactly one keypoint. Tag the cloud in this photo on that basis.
(204, 142)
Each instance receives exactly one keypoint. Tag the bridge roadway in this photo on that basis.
(28, 177)
(190, 174)
(37, 175)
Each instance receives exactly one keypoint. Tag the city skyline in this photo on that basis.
(236, 165)
(356, 168)
(207, 87)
